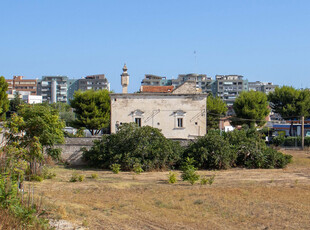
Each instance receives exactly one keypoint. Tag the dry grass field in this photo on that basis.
(238, 199)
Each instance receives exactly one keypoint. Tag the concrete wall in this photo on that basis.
(71, 150)
(162, 111)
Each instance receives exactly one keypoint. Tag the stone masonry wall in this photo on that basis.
(71, 149)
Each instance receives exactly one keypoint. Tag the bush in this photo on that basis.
(137, 168)
(36, 178)
(278, 141)
(81, 178)
(207, 180)
(172, 177)
(47, 174)
(189, 171)
(133, 144)
(76, 177)
(115, 168)
(242, 148)
(211, 151)
(94, 176)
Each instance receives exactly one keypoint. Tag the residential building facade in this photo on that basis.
(178, 116)
(53, 88)
(94, 82)
(22, 86)
(265, 87)
(228, 87)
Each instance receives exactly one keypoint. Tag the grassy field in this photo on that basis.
(238, 199)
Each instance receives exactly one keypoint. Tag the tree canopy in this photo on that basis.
(4, 102)
(215, 108)
(65, 112)
(290, 102)
(44, 123)
(252, 108)
(92, 109)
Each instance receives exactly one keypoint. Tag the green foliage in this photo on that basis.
(4, 102)
(47, 173)
(189, 171)
(66, 113)
(15, 104)
(289, 141)
(77, 177)
(207, 180)
(36, 178)
(92, 109)
(172, 177)
(43, 122)
(244, 148)
(115, 168)
(211, 151)
(94, 176)
(137, 168)
(252, 108)
(215, 107)
(133, 144)
(278, 141)
(81, 178)
(290, 102)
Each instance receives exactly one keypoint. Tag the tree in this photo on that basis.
(14, 104)
(65, 112)
(215, 107)
(252, 108)
(4, 102)
(290, 103)
(92, 109)
(42, 122)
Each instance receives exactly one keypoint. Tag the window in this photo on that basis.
(180, 122)
(138, 121)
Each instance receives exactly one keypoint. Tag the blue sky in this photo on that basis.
(261, 40)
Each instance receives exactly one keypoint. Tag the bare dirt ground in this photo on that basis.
(238, 199)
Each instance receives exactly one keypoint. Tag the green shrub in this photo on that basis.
(36, 178)
(133, 144)
(76, 177)
(81, 178)
(211, 151)
(207, 180)
(189, 171)
(278, 141)
(137, 168)
(239, 148)
(172, 177)
(94, 176)
(47, 174)
(115, 168)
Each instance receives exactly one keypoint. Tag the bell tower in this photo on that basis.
(125, 79)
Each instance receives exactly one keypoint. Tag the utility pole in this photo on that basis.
(302, 132)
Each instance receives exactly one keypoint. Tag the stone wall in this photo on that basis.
(71, 149)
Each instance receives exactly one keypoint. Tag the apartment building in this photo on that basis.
(22, 86)
(94, 82)
(228, 87)
(265, 87)
(53, 88)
